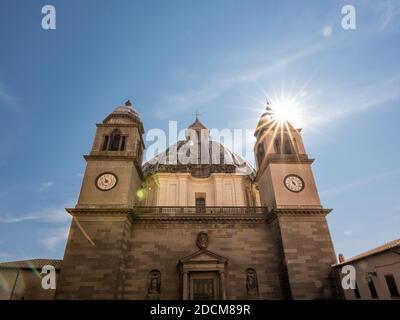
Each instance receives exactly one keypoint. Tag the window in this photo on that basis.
(260, 153)
(288, 144)
(372, 288)
(357, 292)
(200, 204)
(392, 286)
(115, 140)
(123, 141)
(105, 143)
(277, 142)
(283, 144)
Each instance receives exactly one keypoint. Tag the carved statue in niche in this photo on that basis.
(154, 284)
(252, 283)
(202, 240)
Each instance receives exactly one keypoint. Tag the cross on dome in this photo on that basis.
(197, 114)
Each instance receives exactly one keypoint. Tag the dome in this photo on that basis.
(123, 114)
(218, 159)
(265, 119)
(197, 125)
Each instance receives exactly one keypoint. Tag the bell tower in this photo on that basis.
(114, 172)
(102, 219)
(287, 187)
(284, 170)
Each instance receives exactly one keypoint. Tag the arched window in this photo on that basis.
(123, 143)
(260, 153)
(115, 140)
(105, 143)
(283, 144)
(288, 144)
(277, 143)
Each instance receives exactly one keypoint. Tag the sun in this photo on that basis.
(285, 110)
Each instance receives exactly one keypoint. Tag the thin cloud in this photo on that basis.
(4, 255)
(45, 185)
(360, 182)
(45, 215)
(327, 31)
(10, 219)
(221, 83)
(54, 237)
(361, 99)
(6, 97)
(389, 13)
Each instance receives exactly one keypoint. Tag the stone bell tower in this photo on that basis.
(287, 187)
(96, 253)
(114, 165)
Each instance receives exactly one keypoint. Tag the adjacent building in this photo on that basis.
(20, 280)
(377, 273)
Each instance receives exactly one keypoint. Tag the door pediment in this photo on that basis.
(203, 256)
(203, 260)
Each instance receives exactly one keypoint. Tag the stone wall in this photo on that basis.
(110, 255)
(161, 245)
(94, 259)
(308, 256)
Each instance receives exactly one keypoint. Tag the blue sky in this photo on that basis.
(221, 58)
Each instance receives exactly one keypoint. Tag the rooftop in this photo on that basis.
(31, 264)
(125, 111)
(387, 246)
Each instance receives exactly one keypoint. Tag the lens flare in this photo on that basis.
(140, 194)
(285, 109)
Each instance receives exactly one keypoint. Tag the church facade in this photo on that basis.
(197, 225)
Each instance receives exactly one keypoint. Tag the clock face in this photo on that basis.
(106, 181)
(294, 183)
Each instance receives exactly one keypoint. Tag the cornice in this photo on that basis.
(136, 216)
(136, 120)
(201, 219)
(157, 217)
(109, 157)
(121, 125)
(300, 212)
(282, 160)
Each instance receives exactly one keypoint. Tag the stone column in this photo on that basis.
(218, 200)
(222, 279)
(183, 193)
(185, 295)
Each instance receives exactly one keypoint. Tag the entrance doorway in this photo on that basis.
(204, 285)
